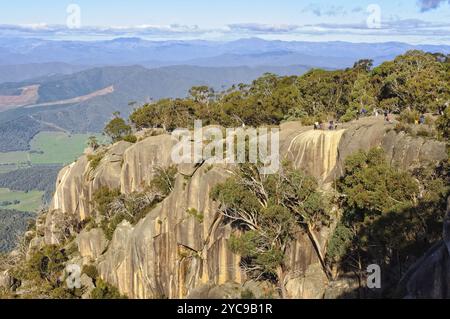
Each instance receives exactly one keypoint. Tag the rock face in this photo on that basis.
(91, 244)
(76, 184)
(429, 278)
(171, 253)
(402, 150)
(312, 150)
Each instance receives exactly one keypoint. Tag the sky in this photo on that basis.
(412, 21)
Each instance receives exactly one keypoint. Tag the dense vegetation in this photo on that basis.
(112, 207)
(12, 225)
(390, 217)
(16, 135)
(44, 274)
(269, 210)
(414, 81)
(40, 178)
(131, 83)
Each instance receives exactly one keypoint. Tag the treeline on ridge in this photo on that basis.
(415, 81)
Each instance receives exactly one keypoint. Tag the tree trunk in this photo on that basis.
(281, 282)
(316, 245)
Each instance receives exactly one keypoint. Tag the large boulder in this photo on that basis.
(310, 284)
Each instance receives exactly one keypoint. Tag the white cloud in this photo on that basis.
(406, 30)
(263, 28)
(426, 5)
(330, 11)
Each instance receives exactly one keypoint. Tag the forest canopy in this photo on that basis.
(415, 81)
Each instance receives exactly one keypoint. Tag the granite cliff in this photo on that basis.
(171, 254)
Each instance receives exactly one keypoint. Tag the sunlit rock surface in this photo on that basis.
(170, 253)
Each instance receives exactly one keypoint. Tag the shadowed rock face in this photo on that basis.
(429, 278)
(170, 253)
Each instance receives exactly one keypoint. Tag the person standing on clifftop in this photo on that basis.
(422, 119)
(331, 126)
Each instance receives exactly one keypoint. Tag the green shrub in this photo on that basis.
(163, 181)
(307, 120)
(113, 207)
(196, 214)
(409, 117)
(43, 271)
(339, 243)
(62, 292)
(109, 225)
(390, 217)
(247, 294)
(130, 138)
(103, 290)
(372, 186)
(350, 115)
(91, 271)
(423, 132)
(103, 197)
(401, 127)
(117, 129)
(95, 159)
(71, 248)
(45, 264)
(443, 123)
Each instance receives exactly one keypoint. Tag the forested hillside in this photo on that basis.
(12, 225)
(16, 135)
(22, 72)
(40, 178)
(123, 87)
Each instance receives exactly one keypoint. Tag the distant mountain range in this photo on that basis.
(250, 52)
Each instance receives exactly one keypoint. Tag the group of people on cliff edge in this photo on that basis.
(322, 126)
